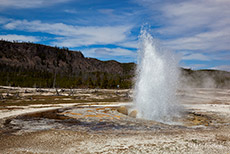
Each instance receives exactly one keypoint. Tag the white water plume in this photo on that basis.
(157, 80)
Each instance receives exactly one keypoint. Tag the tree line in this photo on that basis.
(18, 76)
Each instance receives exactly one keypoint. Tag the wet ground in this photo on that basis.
(98, 127)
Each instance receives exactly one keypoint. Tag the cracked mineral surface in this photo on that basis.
(100, 121)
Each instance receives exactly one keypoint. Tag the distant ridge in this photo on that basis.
(35, 65)
(23, 57)
(42, 57)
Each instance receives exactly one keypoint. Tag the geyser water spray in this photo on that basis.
(156, 82)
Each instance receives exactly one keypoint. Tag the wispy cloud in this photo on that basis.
(197, 66)
(4, 20)
(194, 16)
(205, 41)
(202, 25)
(130, 44)
(83, 36)
(106, 11)
(22, 38)
(74, 36)
(72, 11)
(196, 56)
(122, 55)
(111, 52)
(204, 56)
(29, 3)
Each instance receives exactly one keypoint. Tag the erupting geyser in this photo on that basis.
(156, 83)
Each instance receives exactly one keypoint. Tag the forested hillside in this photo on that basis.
(35, 65)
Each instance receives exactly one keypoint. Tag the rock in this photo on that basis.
(123, 110)
(133, 114)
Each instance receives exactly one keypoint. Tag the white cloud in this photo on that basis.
(109, 52)
(207, 41)
(22, 38)
(202, 25)
(73, 36)
(106, 11)
(129, 44)
(3, 20)
(72, 11)
(211, 57)
(195, 15)
(224, 56)
(29, 3)
(197, 66)
(120, 54)
(196, 56)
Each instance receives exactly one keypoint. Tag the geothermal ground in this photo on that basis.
(99, 121)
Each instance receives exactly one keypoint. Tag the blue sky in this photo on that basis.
(198, 30)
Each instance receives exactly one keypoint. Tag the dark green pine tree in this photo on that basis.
(105, 81)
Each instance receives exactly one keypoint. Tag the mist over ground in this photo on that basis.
(204, 79)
